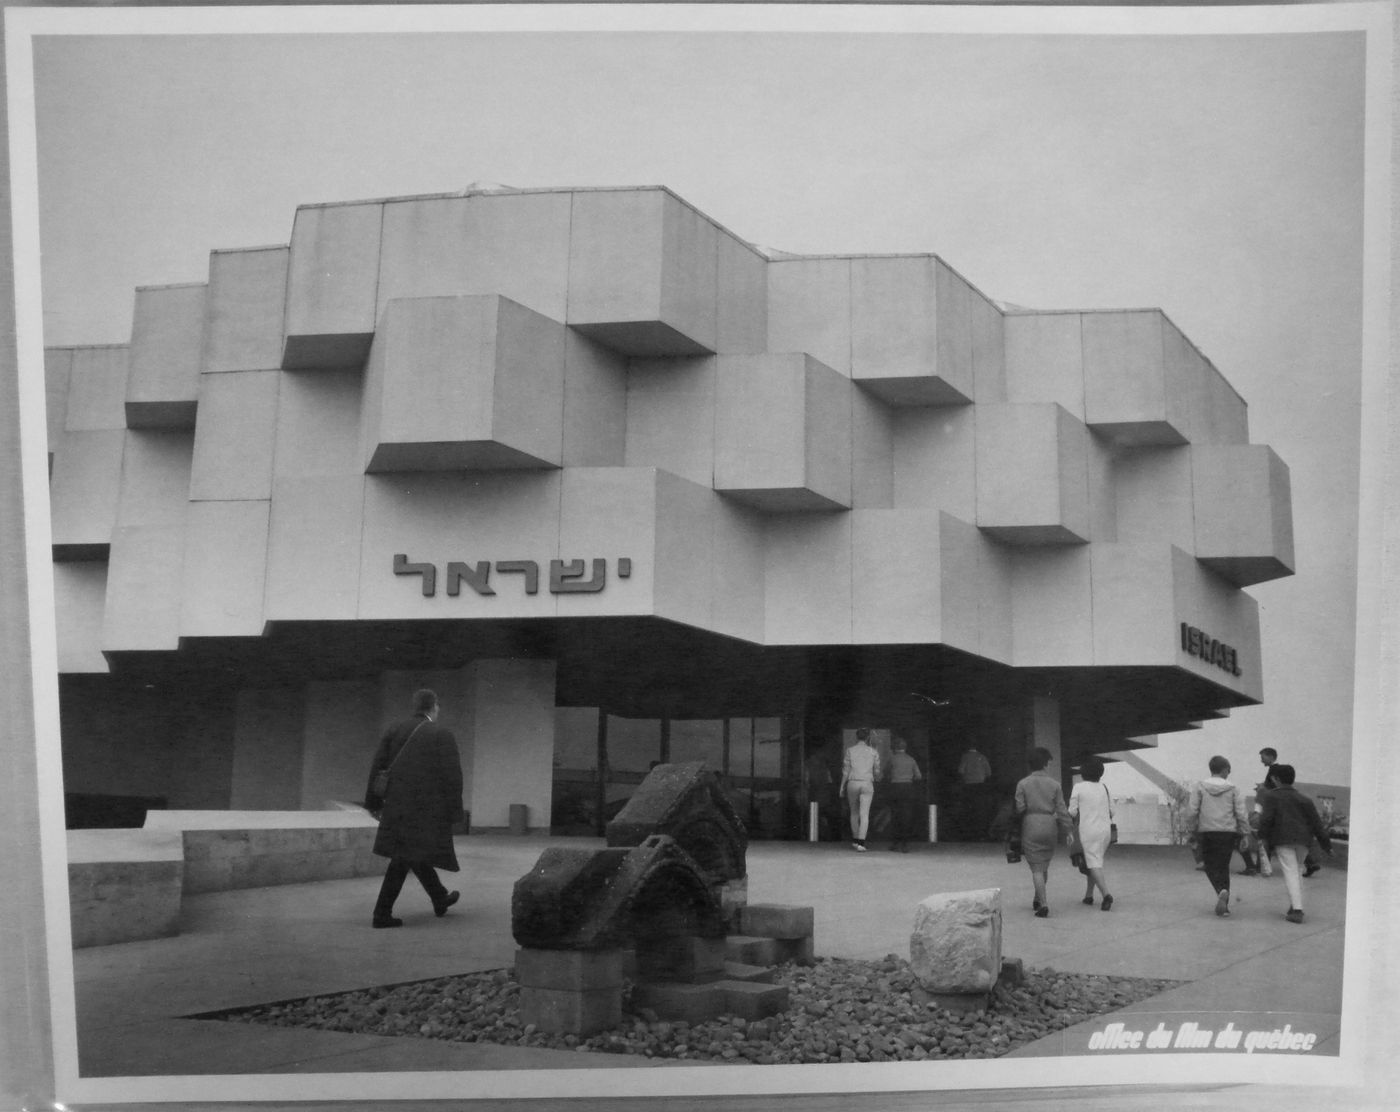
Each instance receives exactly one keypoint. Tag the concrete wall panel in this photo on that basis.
(1103, 510)
(737, 571)
(935, 459)
(313, 556)
(1211, 604)
(269, 734)
(896, 577)
(1153, 496)
(145, 573)
(685, 552)
(342, 729)
(1052, 623)
(955, 329)
(58, 367)
(167, 344)
(1126, 392)
(807, 579)
(514, 751)
(234, 436)
(318, 424)
(609, 513)
(84, 487)
(332, 279)
(1133, 604)
(809, 309)
(642, 273)
(897, 319)
(225, 569)
(671, 418)
(595, 404)
(988, 350)
(872, 451)
(440, 517)
(155, 477)
(97, 388)
(80, 594)
(1045, 359)
(829, 442)
(741, 313)
(515, 245)
(245, 313)
(976, 591)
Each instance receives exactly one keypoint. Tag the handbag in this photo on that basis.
(1112, 826)
(380, 784)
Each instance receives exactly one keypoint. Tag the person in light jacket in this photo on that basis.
(859, 770)
(1287, 827)
(1218, 820)
(1091, 805)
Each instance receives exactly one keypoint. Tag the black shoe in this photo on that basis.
(440, 906)
(1107, 903)
(1313, 868)
(1293, 915)
(388, 921)
(1042, 912)
(1089, 900)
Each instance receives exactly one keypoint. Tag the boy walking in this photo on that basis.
(1288, 825)
(1217, 817)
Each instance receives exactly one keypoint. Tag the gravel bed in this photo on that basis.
(839, 1011)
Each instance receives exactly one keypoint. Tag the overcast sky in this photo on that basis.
(1217, 177)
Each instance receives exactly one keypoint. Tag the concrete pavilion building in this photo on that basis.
(625, 488)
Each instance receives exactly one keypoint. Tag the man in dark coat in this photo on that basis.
(417, 810)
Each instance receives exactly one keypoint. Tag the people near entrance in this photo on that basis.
(1042, 814)
(975, 794)
(1091, 806)
(1218, 821)
(860, 768)
(1287, 826)
(415, 790)
(905, 781)
(1268, 757)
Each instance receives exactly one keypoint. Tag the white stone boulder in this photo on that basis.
(956, 944)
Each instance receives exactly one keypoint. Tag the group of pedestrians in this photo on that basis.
(1287, 823)
(861, 769)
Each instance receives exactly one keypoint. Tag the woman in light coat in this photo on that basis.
(1091, 805)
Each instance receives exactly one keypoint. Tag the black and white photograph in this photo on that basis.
(737, 556)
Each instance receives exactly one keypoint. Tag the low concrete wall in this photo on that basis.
(256, 849)
(124, 885)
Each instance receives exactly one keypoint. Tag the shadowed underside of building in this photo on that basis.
(624, 488)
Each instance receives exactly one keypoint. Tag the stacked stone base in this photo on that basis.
(686, 978)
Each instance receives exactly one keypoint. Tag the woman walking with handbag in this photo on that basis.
(1092, 806)
(1041, 813)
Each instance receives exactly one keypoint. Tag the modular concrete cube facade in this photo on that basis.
(587, 448)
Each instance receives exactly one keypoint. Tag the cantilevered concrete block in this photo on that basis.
(809, 308)
(1045, 359)
(331, 285)
(1144, 384)
(1243, 512)
(234, 436)
(911, 331)
(896, 579)
(463, 383)
(1152, 494)
(318, 423)
(245, 313)
(513, 244)
(83, 491)
(595, 403)
(1216, 627)
(144, 576)
(167, 341)
(1134, 604)
(97, 388)
(1032, 467)
(1052, 606)
(807, 579)
(643, 272)
(783, 433)
(79, 594)
(224, 569)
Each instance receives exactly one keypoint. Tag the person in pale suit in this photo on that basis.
(859, 770)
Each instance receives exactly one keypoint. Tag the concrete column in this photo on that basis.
(1045, 732)
(513, 736)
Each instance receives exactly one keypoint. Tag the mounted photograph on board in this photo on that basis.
(778, 518)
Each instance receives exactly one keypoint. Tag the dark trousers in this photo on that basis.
(396, 874)
(1217, 848)
(904, 806)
